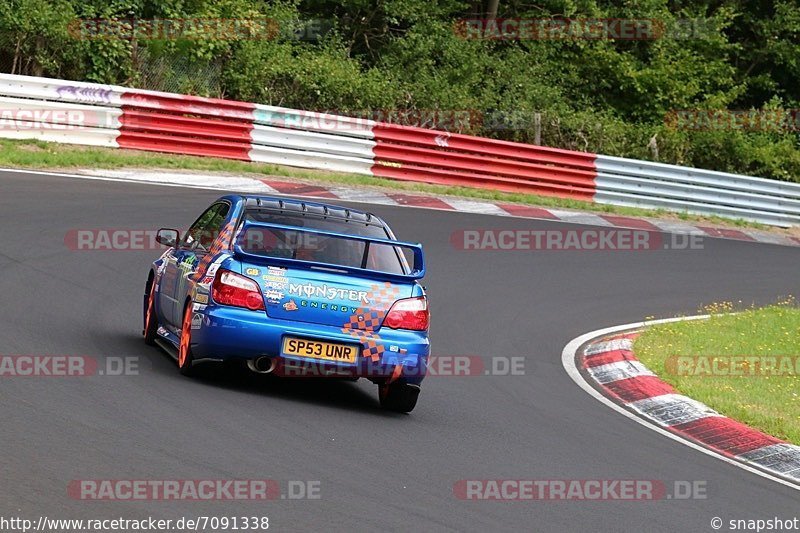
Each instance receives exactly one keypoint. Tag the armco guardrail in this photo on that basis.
(418, 154)
(119, 117)
(655, 185)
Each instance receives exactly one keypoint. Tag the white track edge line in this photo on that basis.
(569, 354)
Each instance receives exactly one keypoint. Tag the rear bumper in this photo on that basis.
(228, 333)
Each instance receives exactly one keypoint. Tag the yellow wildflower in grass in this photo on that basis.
(768, 401)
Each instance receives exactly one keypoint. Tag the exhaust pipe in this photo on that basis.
(262, 365)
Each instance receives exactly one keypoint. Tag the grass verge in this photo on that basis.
(32, 154)
(707, 360)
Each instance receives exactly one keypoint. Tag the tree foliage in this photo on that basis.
(612, 96)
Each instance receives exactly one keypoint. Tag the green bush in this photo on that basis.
(608, 96)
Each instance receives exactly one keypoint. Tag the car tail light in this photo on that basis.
(230, 288)
(409, 313)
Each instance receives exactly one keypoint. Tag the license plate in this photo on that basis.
(327, 351)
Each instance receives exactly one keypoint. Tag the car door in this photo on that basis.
(181, 263)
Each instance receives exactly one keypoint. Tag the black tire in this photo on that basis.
(150, 320)
(398, 397)
(185, 360)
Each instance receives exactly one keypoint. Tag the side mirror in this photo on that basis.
(167, 237)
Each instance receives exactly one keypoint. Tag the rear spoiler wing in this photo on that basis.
(417, 270)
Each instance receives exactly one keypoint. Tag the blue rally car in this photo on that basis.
(293, 288)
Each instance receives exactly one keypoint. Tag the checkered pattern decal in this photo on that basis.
(222, 242)
(366, 320)
(373, 349)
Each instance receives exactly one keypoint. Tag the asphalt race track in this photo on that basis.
(376, 470)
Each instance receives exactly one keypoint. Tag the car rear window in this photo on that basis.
(268, 242)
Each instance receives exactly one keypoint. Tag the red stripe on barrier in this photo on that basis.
(422, 155)
(183, 145)
(726, 435)
(155, 122)
(391, 133)
(193, 105)
(483, 164)
(638, 388)
(208, 126)
(468, 179)
(188, 125)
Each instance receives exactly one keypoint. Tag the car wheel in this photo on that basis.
(185, 359)
(150, 320)
(399, 397)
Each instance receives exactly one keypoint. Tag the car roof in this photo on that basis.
(302, 207)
